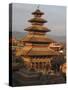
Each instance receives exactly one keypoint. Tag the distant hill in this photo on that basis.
(19, 35)
(61, 39)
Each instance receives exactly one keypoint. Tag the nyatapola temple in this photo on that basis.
(36, 52)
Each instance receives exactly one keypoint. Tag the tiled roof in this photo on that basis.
(37, 51)
(37, 39)
(37, 20)
(37, 28)
(42, 51)
(38, 12)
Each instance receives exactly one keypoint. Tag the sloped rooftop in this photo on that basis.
(38, 12)
(37, 28)
(35, 39)
(37, 51)
(41, 20)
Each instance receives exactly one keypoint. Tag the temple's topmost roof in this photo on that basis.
(38, 12)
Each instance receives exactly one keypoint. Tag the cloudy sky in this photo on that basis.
(55, 15)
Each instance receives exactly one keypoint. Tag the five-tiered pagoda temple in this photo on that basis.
(36, 52)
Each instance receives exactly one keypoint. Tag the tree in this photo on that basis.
(57, 61)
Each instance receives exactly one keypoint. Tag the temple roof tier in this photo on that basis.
(37, 28)
(38, 12)
(37, 51)
(39, 39)
(39, 20)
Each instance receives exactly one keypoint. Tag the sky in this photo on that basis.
(55, 15)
